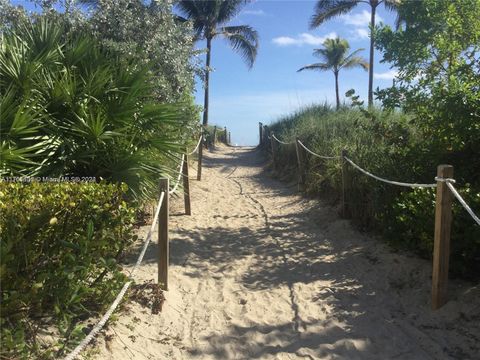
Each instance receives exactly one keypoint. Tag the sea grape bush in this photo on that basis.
(60, 252)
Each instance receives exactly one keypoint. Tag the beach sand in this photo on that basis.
(260, 272)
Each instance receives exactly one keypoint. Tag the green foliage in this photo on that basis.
(60, 251)
(410, 221)
(72, 108)
(387, 144)
(151, 34)
(209, 133)
(436, 52)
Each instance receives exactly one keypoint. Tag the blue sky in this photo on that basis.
(240, 98)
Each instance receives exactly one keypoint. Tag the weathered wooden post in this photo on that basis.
(186, 186)
(200, 158)
(441, 245)
(214, 135)
(266, 133)
(344, 182)
(260, 129)
(301, 164)
(163, 246)
(272, 144)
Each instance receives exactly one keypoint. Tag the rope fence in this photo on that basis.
(160, 216)
(317, 155)
(391, 182)
(180, 166)
(101, 323)
(462, 201)
(443, 208)
(196, 147)
(280, 141)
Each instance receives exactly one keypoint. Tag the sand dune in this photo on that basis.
(259, 272)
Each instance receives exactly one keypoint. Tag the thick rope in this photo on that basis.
(80, 347)
(315, 154)
(196, 147)
(411, 185)
(461, 201)
(280, 141)
(179, 175)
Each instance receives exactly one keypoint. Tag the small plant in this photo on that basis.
(60, 260)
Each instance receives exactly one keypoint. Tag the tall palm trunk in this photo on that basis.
(372, 48)
(336, 89)
(207, 80)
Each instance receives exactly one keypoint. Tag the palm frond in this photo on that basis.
(356, 61)
(194, 11)
(329, 9)
(316, 66)
(244, 40)
(333, 51)
(228, 9)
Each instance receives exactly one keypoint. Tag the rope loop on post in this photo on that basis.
(447, 180)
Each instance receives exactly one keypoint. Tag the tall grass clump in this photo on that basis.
(388, 144)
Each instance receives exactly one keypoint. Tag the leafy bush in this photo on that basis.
(388, 144)
(152, 34)
(60, 248)
(70, 107)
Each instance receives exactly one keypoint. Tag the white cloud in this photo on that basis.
(388, 75)
(302, 39)
(254, 12)
(360, 33)
(360, 23)
(361, 19)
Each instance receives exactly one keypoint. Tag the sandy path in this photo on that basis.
(258, 272)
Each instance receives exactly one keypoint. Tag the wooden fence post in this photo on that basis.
(200, 158)
(344, 182)
(441, 246)
(260, 129)
(214, 135)
(186, 186)
(163, 246)
(272, 144)
(301, 165)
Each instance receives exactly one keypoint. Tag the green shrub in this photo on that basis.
(72, 108)
(389, 145)
(61, 243)
(209, 133)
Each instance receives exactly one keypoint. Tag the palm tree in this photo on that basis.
(328, 9)
(209, 19)
(335, 58)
